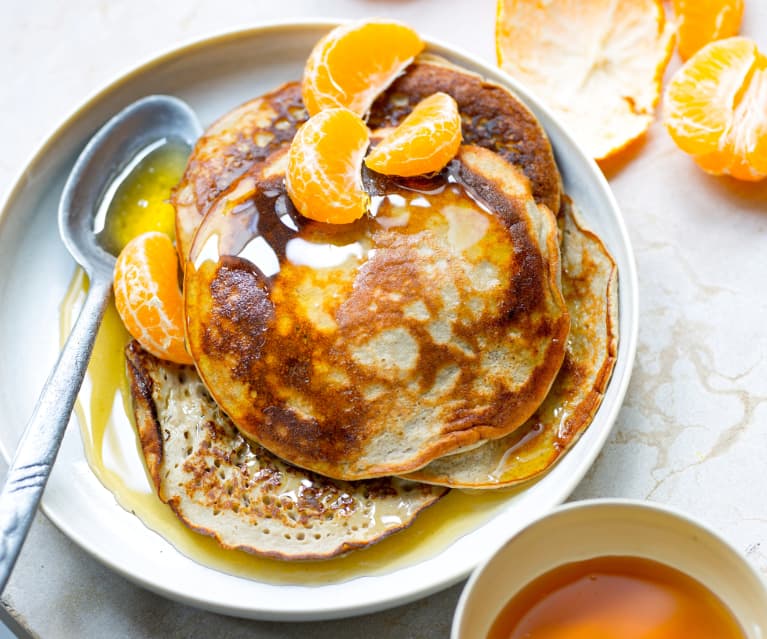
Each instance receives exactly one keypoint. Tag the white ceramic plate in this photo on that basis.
(213, 76)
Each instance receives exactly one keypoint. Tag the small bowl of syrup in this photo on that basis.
(604, 569)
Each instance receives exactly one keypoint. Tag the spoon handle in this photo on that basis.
(36, 452)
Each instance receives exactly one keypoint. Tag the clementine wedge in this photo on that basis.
(324, 179)
(715, 108)
(148, 297)
(355, 62)
(424, 142)
(702, 21)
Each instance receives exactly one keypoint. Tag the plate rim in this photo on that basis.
(628, 287)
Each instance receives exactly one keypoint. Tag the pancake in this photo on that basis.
(492, 116)
(241, 138)
(221, 485)
(590, 287)
(373, 348)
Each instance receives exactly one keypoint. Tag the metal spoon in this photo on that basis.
(105, 157)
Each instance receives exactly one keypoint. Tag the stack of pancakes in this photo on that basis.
(346, 376)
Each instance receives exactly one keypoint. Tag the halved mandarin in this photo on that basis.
(424, 142)
(324, 175)
(715, 109)
(148, 297)
(355, 62)
(702, 21)
(598, 64)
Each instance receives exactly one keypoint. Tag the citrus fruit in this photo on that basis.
(715, 108)
(148, 297)
(597, 64)
(424, 142)
(702, 21)
(324, 179)
(355, 62)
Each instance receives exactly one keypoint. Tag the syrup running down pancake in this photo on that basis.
(231, 145)
(372, 348)
(590, 287)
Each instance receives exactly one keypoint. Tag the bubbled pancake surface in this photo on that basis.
(230, 146)
(221, 485)
(590, 287)
(373, 348)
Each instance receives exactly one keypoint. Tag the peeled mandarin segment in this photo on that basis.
(324, 179)
(598, 64)
(714, 109)
(148, 298)
(702, 21)
(700, 99)
(753, 111)
(351, 65)
(424, 142)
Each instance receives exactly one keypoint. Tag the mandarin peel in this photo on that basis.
(597, 65)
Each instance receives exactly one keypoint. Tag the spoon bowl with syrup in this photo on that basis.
(88, 233)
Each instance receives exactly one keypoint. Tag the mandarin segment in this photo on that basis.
(598, 64)
(148, 298)
(324, 179)
(715, 109)
(426, 140)
(702, 21)
(355, 62)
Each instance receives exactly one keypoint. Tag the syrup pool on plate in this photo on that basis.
(140, 203)
(615, 598)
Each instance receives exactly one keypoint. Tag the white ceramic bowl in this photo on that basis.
(586, 529)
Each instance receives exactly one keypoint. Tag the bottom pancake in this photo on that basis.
(221, 485)
(590, 288)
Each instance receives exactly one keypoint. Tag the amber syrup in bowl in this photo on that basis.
(615, 598)
(614, 569)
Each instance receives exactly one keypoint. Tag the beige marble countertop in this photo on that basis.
(693, 429)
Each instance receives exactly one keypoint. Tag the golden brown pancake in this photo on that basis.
(590, 287)
(371, 349)
(492, 116)
(221, 485)
(235, 142)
